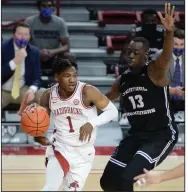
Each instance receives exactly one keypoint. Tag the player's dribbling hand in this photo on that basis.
(85, 132)
(148, 178)
(168, 20)
(31, 107)
(43, 141)
(28, 97)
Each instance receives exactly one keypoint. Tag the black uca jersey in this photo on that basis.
(146, 105)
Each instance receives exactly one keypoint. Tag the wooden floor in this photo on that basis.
(26, 173)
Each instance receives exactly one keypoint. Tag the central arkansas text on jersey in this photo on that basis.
(146, 105)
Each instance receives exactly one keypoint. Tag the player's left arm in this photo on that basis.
(94, 96)
(158, 69)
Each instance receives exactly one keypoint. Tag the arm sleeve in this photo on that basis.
(109, 113)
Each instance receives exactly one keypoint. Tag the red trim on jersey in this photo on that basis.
(51, 95)
(62, 161)
(68, 97)
(81, 98)
(50, 100)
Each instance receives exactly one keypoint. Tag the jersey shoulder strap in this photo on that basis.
(53, 91)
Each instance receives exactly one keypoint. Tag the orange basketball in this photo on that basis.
(36, 122)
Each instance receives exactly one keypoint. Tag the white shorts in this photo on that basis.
(76, 163)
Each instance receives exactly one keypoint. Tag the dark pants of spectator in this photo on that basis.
(178, 105)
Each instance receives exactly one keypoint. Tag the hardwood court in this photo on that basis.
(27, 173)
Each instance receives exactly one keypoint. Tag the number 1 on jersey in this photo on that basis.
(70, 124)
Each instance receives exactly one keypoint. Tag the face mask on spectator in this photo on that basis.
(46, 12)
(178, 51)
(21, 43)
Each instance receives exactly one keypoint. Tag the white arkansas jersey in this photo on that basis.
(69, 115)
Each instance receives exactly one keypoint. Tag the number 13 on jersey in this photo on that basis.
(137, 101)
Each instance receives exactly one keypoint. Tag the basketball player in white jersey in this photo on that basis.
(73, 106)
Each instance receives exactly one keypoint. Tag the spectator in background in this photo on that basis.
(180, 25)
(176, 74)
(21, 70)
(48, 32)
(149, 30)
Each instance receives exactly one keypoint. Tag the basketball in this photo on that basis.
(35, 122)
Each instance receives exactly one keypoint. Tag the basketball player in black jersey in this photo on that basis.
(144, 91)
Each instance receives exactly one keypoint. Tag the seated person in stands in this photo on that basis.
(180, 25)
(48, 32)
(176, 73)
(149, 30)
(21, 69)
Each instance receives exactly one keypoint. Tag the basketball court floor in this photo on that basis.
(23, 166)
(23, 169)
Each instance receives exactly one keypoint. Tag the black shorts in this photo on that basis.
(133, 154)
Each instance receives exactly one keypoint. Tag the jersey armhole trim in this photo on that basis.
(50, 99)
(51, 96)
(81, 98)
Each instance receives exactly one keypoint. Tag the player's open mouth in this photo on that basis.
(130, 61)
(71, 86)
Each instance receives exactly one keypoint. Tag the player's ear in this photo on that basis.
(56, 77)
(146, 56)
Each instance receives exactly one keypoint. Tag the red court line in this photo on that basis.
(100, 150)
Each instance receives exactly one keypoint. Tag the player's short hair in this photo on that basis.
(20, 24)
(61, 63)
(39, 2)
(179, 33)
(142, 40)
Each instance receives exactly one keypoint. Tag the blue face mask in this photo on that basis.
(21, 43)
(178, 51)
(46, 12)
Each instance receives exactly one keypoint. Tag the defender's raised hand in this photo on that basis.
(168, 20)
